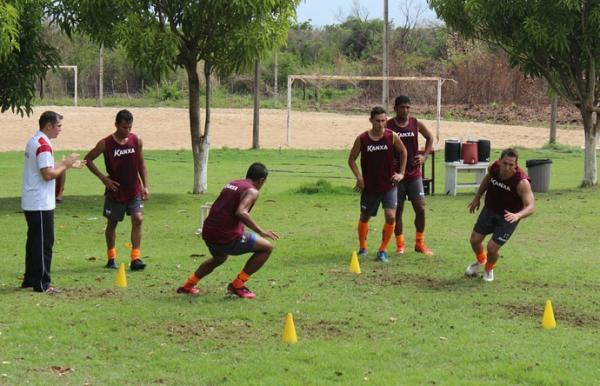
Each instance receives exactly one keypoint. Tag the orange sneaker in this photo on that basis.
(422, 248)
(400, 249)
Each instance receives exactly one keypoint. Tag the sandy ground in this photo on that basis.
(168, 128)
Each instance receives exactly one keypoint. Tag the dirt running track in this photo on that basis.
(168, 128)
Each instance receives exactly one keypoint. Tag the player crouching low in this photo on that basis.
(223, 233)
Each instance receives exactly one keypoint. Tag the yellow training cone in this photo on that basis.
(548, 319)
(121, 280)
(354, 265)
(289, 331)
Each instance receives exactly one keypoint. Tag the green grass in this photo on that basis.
(415, 321)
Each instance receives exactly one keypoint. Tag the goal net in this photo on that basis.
(427, 90)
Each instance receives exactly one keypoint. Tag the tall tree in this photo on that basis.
(25, 55)
(161, 35)
(558, 40)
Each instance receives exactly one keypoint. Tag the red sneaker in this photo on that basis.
(188, 291)
(400, 249)
(240, 292)
(422, 248)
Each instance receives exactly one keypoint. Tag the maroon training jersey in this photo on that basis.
(122, 165)
(502, 195)
(222, 226)
(410, 138)
(377, 162)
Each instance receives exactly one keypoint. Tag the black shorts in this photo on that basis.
(494, 223)
(413, 190)
(245, 244)
(115, 211)
(369, 203)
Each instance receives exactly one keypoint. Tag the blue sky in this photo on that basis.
(323, 12)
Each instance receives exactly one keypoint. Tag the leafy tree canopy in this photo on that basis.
(25, 56)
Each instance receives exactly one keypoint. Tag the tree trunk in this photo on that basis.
(553, 111)
(276, 77)
(590, 172)
(206, 138)
(194, 112)
(101, 75)
(255, 122)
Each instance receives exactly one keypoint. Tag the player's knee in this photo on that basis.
(137, 220)
(475, 239)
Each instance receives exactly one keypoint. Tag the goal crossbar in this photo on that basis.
(292, 78)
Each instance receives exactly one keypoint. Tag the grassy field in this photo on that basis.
(417, 320)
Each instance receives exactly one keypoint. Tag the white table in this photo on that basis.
(453, 168)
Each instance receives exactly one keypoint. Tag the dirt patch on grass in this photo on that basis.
(561, 314)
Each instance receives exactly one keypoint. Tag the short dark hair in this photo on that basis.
(256, 171)
(401, 100)
(377, 110)
(124, 116)
(49, 117)
(510, 152)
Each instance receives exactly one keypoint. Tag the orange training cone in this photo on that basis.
(354, 265)
(289, 330)
(121, 280)
(548, 320)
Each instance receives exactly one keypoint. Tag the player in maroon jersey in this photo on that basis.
(223, 233)
(377, 178)
(126, 182)
(508, 199)
(408, 129)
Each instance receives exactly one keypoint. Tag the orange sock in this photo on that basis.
(420, 238)
(400, 240)
(135, 254)
(111, 253)
(241, 279)
(191, 281)
(489, 266)
(482, 257)
(388, 231)
(363, 229)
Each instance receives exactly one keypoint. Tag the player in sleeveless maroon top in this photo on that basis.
(408, 129)
(223, 233)
(377, 178)
(126, 182)
(508, 199)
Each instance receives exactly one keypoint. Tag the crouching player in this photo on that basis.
(223, 233)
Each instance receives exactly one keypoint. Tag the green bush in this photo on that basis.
(164, 92)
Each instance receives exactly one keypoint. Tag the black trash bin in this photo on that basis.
(539, 174)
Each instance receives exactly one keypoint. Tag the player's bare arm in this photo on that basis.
(474, 205)
(524, 191)
(424, 131)
(400, 149)
(143, 171)
(243, 213)
(354, 152)
(90, 157)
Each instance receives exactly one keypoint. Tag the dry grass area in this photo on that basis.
(168, 128)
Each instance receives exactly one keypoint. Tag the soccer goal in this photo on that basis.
(58, 83)
(356, 78)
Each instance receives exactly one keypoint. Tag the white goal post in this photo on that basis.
(74, 68)
(292, 78)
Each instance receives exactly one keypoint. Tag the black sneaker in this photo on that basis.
(137, 265)
(112, 264)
